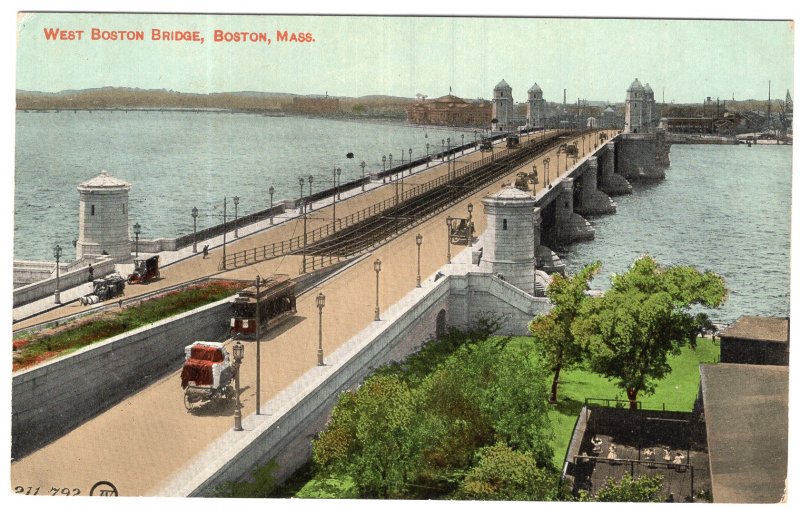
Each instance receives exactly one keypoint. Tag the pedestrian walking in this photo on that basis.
(91, 273)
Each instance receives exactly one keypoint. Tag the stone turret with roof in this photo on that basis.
(103, 218)
(536, 105)
(502, 106)
(650, 112)
(634, 107)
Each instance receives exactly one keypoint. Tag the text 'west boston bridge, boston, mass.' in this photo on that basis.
(158, 34)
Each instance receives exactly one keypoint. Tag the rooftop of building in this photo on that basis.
(635, 86)
(746, 414)
(759, 328)
(535, 88)
(502, 84)
(105, 181)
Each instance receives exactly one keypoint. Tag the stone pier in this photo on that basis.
(611, 182)
(569, 225)
(593, 201)
(643, 156)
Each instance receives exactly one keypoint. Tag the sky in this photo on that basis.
(596, 59)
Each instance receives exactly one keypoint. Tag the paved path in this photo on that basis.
(144, 440)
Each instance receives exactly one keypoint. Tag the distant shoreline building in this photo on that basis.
(450, 110)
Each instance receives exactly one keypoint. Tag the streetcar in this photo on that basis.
(275, 302)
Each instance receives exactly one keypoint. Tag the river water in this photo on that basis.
(721, 208)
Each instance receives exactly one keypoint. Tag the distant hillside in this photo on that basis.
(135, 98)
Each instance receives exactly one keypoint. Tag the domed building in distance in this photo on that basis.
(451, 111)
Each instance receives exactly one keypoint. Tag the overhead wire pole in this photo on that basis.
(258, 345)
(224, 232)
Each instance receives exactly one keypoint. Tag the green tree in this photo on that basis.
(370, 438)
(644, 317)
(490, 392)
(645, 488)
(552, 333)
(502, 473)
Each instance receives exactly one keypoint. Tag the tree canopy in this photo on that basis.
(644, 317)
(403, 435)
(552, 332)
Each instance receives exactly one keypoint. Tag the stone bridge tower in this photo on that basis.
(503, 107)
(509, 241)
(535, 106)
(103, 218)
(634, 108)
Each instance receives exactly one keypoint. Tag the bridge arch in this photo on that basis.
(441, 323)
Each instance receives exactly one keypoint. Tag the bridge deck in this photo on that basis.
(144, 440)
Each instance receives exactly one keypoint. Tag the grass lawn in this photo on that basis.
(676, 392)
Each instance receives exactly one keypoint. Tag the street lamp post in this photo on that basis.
(310, 191)
(409, 160)
(305, 235)
(558, 164)
(462, 144)
(377, 267)
(475, 135)
(302, 182)
(442, 149)
(334, 199)
(534, 178)
(320, 305)
(469, 224)
(137, 229)
(271, 193)
(546, 163)
(194, 235)
(258, 345)
(384, 167)
(390, 162)
(238, 355)
(427, 155)
(57, 254)
(448, 238)
(419, 245)
(236, 217)
(396, 187)
(448, 158)
(339, 187)
(224, 232)
(363, 176)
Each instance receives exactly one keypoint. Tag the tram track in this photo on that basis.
(378, 229)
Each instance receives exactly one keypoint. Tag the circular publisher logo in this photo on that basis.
(103, 489)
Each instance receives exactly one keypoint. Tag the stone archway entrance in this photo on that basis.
(441, 323)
